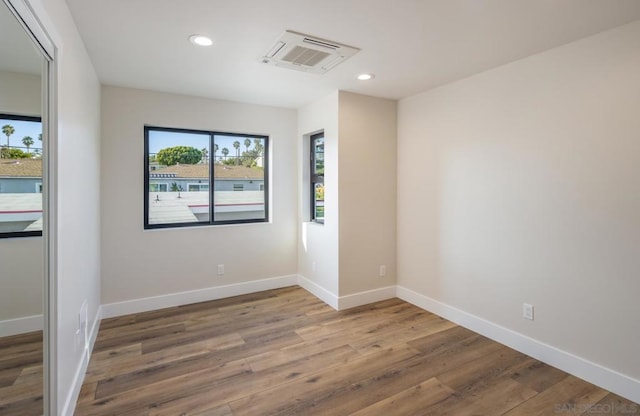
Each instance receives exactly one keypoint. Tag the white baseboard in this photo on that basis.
(194, 296)
(78, 377)
(318, 291)
(340, 303)
(23, 325)
(594, 373)
(363, 298)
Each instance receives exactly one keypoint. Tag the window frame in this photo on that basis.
(212, 187)
(314, 178)
(19, 234)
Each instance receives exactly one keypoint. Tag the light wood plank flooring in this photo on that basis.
(21, 375)
(284, 352)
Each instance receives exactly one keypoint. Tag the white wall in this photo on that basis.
(318, 243)
(20, 258)
(137, 263)
(78, 273)
(367, 165)
(522, 184)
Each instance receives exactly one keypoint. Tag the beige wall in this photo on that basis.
(522, 184)
(359, 232)
(20, 258)
(318, 243)
(138, 263)
(367, 165)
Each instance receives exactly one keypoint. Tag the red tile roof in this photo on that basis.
(201, 171)
(21, 168)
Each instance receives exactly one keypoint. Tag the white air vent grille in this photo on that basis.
(305, 53)
(304, 56)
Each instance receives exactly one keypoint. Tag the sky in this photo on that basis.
(22, 129)
(162, 139)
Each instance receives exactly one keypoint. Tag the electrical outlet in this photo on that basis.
(220, 269)
(383, 270)
(527, 311)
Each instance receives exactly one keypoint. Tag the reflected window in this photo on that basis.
(20, 176)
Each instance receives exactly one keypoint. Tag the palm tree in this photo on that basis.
(205, 155)
(236, 144)
(8, 130)
(258, 146)
(215, 150)
(28, 142)
(225, 152)
(247, 143)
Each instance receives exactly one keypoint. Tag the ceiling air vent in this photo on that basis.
(306, 53)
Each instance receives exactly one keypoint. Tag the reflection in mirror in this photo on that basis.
(21, 176)
(21, 259)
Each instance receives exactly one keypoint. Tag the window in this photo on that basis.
(20, 176)
(158, 187)
(187, 172)
(197, 187)
(317, 177)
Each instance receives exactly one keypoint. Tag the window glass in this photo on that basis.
(182, 164)
(176, 158)
(240, 173)
(317, 177)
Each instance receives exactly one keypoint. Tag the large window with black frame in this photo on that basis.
(317, 177)
(20, 176)
(195, 177)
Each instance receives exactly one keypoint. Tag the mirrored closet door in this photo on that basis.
(22, 248)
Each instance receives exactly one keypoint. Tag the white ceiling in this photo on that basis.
(411, 45)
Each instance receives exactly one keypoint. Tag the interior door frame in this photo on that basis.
(31, 17)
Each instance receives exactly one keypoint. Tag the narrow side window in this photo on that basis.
(317, 177)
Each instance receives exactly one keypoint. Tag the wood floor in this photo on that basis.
(21, 375)
(283, 352)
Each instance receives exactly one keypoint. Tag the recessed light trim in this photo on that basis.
(365, 77)
(200, 40)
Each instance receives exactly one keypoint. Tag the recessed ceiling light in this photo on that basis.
(200, 40)
(365, 77)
